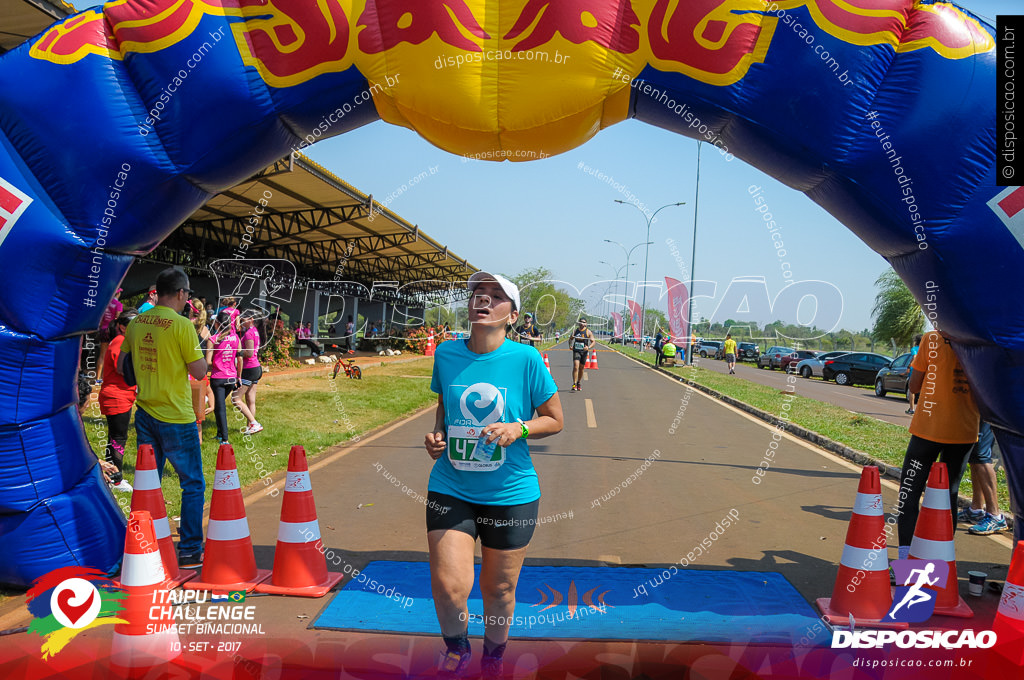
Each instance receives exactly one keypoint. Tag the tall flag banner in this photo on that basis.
(634, 311)
(617, 318)
(678, 300)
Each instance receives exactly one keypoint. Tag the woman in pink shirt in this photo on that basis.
(251, 369)
(225, 357)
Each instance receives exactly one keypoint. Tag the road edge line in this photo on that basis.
(798, 431)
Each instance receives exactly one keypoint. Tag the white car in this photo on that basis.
(809, 367)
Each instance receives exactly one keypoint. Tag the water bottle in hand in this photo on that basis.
(484, 450)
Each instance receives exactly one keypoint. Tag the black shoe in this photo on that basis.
(190, 560)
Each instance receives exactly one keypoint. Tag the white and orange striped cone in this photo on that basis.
(1009, 622)
(593, 359)
(429, 351)
(547, 364)
(862, 585)
(933, 540)
(299, 567)
(143, 640)
(230, 563)
(587, 364)
(149, 497)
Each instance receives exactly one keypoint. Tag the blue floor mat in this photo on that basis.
(591, 603)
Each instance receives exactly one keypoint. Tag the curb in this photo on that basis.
(853, 455)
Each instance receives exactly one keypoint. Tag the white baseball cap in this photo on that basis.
(511, 290)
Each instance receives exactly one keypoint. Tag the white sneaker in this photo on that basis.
(253, 429)
(123, 485)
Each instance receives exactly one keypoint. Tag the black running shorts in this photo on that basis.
(580, 355)
(500, 527)
(251, 376)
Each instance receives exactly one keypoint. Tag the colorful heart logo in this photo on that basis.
(73, 612)
(75, 603)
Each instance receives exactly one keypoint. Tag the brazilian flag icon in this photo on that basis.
(237, 596)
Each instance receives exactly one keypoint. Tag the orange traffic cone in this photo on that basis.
(588, 363)
(149, 497)
(143, 639)
(593, 360)
(1009, 622)
(862, 585)
(299, 567)
(230, 563)
(933, 540)
(429, 351)
(547, 364)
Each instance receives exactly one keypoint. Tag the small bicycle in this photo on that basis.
(351, 370)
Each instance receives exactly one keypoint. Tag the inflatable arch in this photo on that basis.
(116, 124)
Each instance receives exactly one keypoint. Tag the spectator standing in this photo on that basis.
(350, 335)
(226, 359)
(659, 340)
(151, 300)
(911, 397)
(202, 393)
(252, 371)
(163, 349)
(106, 331)
(984, 512)
(944, 427)
(116, 399)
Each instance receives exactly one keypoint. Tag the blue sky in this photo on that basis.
(511, 216)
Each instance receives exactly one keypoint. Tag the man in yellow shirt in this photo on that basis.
(730, 352)
(667, 353)
(944, 427)
(164, 351)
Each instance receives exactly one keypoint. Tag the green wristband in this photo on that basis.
(526, 430)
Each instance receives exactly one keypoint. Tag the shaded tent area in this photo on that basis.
(351, 255)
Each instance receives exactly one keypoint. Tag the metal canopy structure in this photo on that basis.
(23, 19)
(298, 211)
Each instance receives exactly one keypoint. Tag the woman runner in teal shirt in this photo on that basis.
(492, 386)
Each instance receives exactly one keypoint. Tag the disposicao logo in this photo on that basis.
(914, 602)
(69, 600)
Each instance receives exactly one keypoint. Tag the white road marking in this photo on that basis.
(591, 418)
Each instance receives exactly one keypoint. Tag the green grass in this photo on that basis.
(885, 441)
(313, 411)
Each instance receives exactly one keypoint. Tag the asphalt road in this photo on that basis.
(703, 456)
(861, 399)
(794, 522)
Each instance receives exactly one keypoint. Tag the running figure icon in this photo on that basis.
(916, 594)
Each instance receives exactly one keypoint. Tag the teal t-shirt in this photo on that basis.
(480, 389)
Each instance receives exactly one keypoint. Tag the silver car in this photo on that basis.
(809, 367)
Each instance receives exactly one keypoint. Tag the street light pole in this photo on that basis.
(625, 281)
(693, 261)
(617, 272)
(650, 220)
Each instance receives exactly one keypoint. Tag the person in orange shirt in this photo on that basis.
(944, 427)
(116, 399)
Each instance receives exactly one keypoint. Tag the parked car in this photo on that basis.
(855, 368)
(788, 363)
(809, 367)
(773, 357)
(710, 347)
(747, 351)
(895, 376)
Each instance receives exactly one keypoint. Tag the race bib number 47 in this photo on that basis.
(462, 442)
